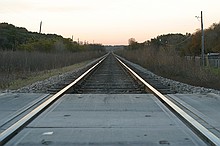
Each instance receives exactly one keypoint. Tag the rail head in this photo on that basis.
(206, 135)
(7, 134)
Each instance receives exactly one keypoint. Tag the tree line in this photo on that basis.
(14, 38)
(184, 44)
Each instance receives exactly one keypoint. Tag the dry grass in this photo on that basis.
(18, 68)
(34, 77)
(169, 64)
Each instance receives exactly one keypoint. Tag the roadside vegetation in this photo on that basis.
(24, 54)
(175, 56)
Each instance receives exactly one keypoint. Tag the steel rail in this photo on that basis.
(206, 135)
(24, 109)
(7, 134)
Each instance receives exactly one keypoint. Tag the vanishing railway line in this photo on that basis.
(108, 76)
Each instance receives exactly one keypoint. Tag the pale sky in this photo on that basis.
(110, 21)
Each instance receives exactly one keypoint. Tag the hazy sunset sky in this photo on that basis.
(110, 21)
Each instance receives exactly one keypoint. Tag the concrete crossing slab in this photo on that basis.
(208, 104)
(205, 107)
(12, 103)
(106, 119)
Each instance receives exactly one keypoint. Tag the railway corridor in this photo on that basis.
(107, 108)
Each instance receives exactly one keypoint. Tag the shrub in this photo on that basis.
(168, 63)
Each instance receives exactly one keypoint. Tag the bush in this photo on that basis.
(168, 63)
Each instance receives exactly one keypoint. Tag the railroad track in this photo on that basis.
(111, 76)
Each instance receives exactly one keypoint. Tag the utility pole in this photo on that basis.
(203, 44)
(202, 41)
(40, 26)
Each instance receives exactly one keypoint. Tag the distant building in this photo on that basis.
(213, 59)
(213, 55)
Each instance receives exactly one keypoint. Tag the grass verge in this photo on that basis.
(39, 76)
(168, 64)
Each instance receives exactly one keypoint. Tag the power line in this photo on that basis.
(173, 45)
